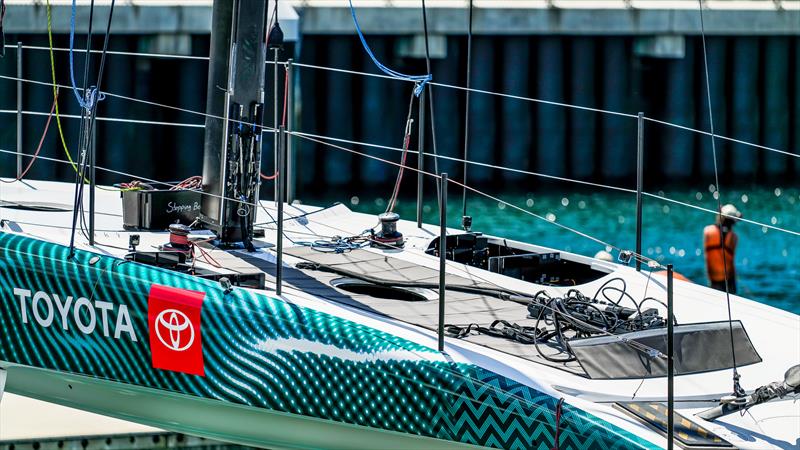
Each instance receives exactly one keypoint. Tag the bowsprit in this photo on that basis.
(85, 315)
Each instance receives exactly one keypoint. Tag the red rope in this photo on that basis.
(395, 192)
(270, 177)
(41, 143)
(406, 144)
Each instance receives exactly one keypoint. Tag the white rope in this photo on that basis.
(106, 119)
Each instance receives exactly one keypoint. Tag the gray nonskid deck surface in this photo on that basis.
(460, 308)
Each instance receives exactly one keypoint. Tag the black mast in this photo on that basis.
(235, 103)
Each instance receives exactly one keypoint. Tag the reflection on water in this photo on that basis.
(766, 260)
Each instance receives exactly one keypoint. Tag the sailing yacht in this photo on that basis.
(199, 308)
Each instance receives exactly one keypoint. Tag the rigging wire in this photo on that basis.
(466, 111)
(737, 388)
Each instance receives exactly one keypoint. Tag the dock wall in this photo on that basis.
(650, 64)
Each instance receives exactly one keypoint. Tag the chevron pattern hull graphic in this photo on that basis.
(93, 316)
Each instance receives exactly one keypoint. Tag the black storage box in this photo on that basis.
(157, 209)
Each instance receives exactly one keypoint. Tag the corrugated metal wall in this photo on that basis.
(755, 83)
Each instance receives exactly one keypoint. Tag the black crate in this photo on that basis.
(157, 210)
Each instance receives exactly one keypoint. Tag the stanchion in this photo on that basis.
(420, 156)
(639, 188)
(291, 180)
(442, 254)
(275, 123)
(670, 363)
(281, 186)
(92, 182)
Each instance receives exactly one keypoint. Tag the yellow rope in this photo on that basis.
(53, 73)
(55, 96)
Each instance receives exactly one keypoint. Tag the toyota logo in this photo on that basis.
(174, 330)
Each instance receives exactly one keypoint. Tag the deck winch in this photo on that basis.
(388, 236)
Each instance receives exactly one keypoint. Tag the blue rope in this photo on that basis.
(419, 80)
(91, 93)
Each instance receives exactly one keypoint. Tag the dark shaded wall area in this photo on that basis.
(755, 87)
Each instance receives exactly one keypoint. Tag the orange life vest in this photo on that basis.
(712, 242)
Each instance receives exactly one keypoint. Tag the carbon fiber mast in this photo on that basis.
(235, 104)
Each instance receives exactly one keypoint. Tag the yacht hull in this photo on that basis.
(181, 353)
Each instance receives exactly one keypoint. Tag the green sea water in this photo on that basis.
(766, 260)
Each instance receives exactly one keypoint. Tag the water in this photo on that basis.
(766, 260)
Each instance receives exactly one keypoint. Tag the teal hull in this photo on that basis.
(246, 367)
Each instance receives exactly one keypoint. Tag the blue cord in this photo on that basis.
(420, 80)
(91, 93)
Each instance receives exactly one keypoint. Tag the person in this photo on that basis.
(719, 242)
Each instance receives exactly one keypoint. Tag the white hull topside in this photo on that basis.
(775, 334)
